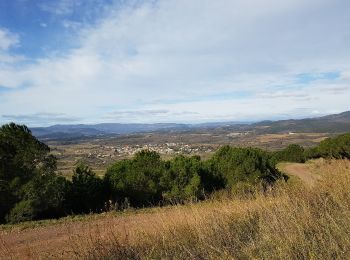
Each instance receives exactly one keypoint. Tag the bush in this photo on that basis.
(137, 179)
(293, 153)
(87, 192)
(182, 179)
(337, 147)
(250, 165)
(24, 210)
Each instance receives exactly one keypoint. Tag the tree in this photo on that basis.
(250, 165)
(21, 154)
(87, 192)
(7, 199)
(42, 197)
(181, 180)
(22, 158)
(137, 179)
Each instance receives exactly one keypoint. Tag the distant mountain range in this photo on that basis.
(81, 130)
(336, 123)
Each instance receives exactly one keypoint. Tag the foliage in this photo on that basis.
(23, 211)
(292, 153)
(31, 189)
(7, 199)
(42, 197)
(182, 179)
(250, 165)
(21, 154)
(23, 159)
(137, 179)
(87, 192)
(288, 222)
(337, 147)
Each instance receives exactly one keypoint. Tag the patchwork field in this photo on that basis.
(101, 152)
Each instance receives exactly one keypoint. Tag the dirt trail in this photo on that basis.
(303, 171)
(44, 242)
(63, 239)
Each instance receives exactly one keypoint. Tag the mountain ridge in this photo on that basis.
(334, 123)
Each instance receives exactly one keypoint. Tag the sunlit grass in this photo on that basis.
(291, 221)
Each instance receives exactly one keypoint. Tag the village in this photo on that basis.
(99, 156)
(122, 151)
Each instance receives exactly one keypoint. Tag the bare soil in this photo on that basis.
(306, 172)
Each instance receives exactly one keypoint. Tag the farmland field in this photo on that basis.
(100, 152)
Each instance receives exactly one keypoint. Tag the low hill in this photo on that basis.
(81, 130)
(337, 123)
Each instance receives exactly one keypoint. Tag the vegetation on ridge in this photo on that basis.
(31, 189)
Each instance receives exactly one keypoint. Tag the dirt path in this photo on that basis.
(63, 240)
(304, 171)
(46, 241)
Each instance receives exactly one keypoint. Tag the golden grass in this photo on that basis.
(291, 221)
(288, 222)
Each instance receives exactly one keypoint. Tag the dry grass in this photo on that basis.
(292, 221)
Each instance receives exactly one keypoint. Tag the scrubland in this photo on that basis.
(293, 220)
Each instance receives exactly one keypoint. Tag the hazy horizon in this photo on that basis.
(172, 61)
(179, 122)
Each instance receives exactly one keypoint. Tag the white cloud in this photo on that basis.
(174, 50)
(41, 118)
(7, 39)
(60, 7)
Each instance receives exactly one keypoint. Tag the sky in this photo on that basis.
(190, 61)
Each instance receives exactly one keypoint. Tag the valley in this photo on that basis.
(100, 152)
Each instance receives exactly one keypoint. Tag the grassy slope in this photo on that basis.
(292, 221)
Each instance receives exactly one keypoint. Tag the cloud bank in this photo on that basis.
(213, 60)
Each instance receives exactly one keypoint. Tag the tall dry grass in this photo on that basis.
(291, 221)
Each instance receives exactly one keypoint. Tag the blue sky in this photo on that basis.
(91, 61)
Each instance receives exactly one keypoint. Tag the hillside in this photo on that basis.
(292, 221)
(336, 123)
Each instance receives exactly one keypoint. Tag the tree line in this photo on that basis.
(337, 147)
(31, 188)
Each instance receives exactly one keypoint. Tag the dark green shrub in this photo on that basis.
(42, 197)
(182, 179)
(87, 192)
(24, 210)
(7, 200)
(249, 165)
(137, 179)
(337, 147)
(292, 153)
